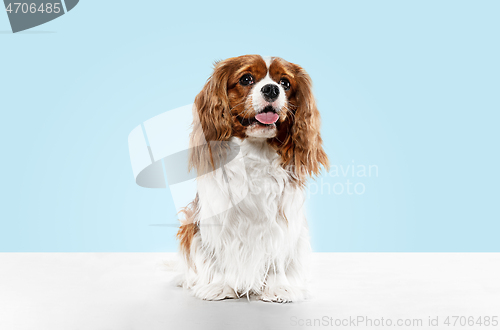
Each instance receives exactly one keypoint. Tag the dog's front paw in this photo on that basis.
(282, 294)
(215, 292)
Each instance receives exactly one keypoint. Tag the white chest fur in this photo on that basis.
(251, 222)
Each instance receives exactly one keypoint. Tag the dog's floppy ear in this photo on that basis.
(211, 121)
(303, 149)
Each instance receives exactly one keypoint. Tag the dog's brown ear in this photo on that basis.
(303, 151)
(211, 122)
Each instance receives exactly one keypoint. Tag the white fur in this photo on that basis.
(257, 131)
(268, 60)
(253, 236)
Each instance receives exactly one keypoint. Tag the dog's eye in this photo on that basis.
(285, 83)
(246, 80)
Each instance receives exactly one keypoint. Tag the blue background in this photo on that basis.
(411, 87)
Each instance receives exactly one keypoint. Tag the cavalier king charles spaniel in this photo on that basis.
(255, 142)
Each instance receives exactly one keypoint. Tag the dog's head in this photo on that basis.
(251, 97)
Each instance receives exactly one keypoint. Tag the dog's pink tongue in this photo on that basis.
(267, 117)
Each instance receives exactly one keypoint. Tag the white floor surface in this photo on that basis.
(133, 291)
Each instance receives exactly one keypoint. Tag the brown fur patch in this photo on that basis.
(188, 229)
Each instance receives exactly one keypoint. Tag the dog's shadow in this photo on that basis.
(242, 313)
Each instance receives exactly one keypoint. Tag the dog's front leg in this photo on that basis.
(286, 286)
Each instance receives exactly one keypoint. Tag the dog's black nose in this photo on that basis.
(270, 92)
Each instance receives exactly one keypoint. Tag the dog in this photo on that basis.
(255, 141)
